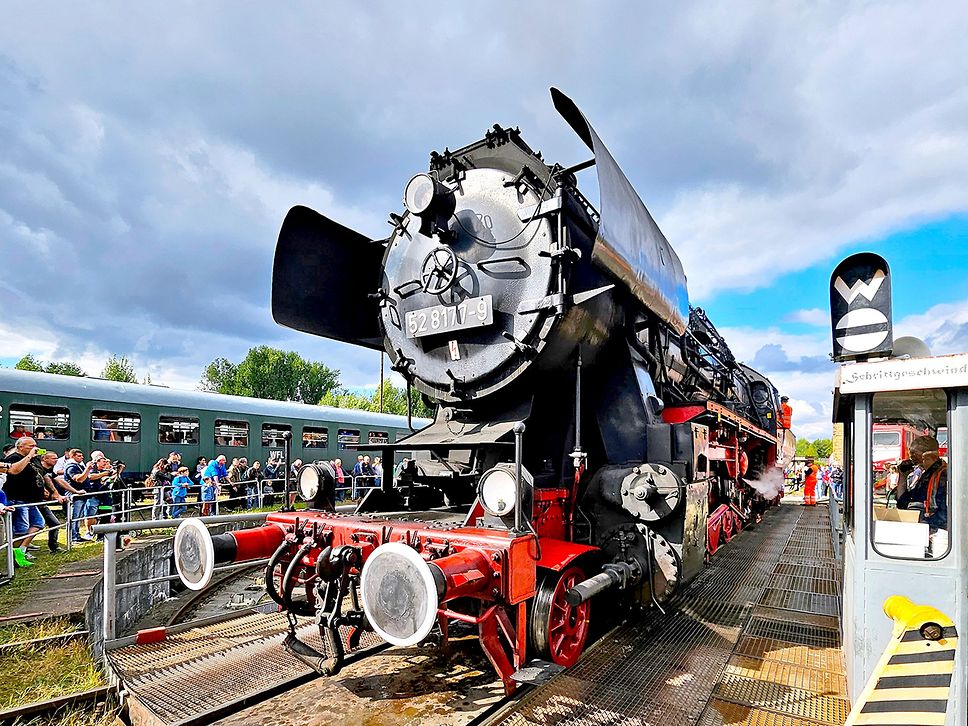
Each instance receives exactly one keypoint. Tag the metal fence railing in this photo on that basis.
(110, 584)
(137, 504)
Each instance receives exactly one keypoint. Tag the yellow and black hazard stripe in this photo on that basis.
(911, 683)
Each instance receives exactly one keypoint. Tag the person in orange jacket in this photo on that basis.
(810, 484)
(786, 413)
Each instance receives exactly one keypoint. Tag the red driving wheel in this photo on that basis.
(558, 631)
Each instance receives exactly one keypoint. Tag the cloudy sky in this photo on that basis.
(149, 154)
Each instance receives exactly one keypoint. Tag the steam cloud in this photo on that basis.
(769, 485)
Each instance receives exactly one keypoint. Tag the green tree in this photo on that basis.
(271, 373)
(805, 447)
(315, 381)
(823, 447)
(219, 376)
(29, 363)
(119, 368)
(394, 401)
(65, 369)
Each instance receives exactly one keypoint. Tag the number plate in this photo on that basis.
(475, 312)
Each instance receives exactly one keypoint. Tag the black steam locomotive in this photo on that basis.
(592, 431)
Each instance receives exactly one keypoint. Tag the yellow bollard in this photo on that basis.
(911, 682)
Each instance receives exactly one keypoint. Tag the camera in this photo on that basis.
(41, 452)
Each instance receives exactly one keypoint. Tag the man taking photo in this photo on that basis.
(24, 487)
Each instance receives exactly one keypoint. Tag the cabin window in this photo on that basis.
(910, 496)
(314, 437)
(231, 433)
(41, 422)
(272, 434)
(378, 437)
(115, 426)
(177, 430)
(347, 437)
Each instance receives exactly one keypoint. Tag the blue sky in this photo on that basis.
(929, 265)
(149, 155)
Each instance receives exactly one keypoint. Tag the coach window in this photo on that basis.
(347, 437)
(378, 437)
(315, 437)
(231, 433)
(117, 426)
(272, 434)
(910, 498)
(41, 422)
(177, 430)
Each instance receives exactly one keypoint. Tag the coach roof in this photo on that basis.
(97, 389)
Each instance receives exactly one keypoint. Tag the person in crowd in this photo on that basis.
(179, 491)
(24, 487)
(340, 478)
(100, 429)
(253, 483)
(111, 497)
(377, 471)
(40, 433)
(214, 477)
(358, 466)
(160, 482)
(75, 477)
(97, 489)
(174, 462)
(20, 431)
(45, 467)
(236, 474)
(62, 463)
(209, 496)
(293, 481)
(810, 484)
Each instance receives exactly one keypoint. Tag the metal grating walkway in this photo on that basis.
(195, 674)
(753, 641)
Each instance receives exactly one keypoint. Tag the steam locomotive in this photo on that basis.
(593, 433)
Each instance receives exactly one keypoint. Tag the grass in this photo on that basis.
(46, 564)
(31, 673)
(103, 714)
(35, 629)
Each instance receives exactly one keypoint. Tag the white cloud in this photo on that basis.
(811, 316)
(146, 174)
